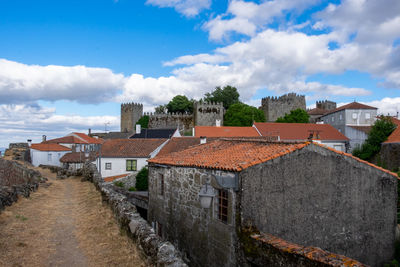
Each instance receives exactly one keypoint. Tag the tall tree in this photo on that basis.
(240, 114)
(295, 116)
(180, 103)
(227, 95)
(160, 109)
(380, 131)
(144, 121)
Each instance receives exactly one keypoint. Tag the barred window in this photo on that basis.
(223, 205)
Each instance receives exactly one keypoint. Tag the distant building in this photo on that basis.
(155, 133)
(276, 107)
(321, 108)
(323, 133)
(354, 120)
(301, 192)
(48, 154)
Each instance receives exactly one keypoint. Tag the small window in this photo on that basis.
(159, 229)
(223, 205)
(131, 165)
(340, 117)
(108, 165)
(333, 118)
(161, 183)
(355, 116)
(49, 157)
(367, 116)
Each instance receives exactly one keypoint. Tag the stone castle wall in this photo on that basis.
(275, 107)
(183, 121)
(130, 114)
(206, 114)
(326, 105)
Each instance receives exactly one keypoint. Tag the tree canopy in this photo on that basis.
(380, 131)
(161, 109)
(227, 95)
(180, 103)
(143, 121)
(240, 114)
(295, 116)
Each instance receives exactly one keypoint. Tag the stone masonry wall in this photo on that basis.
(130, 114)
(389, 156)
(16, 180)
(185, 122)
(195, 231)
(275, 107)
(206, 114)
(316, 197)
(158, 252)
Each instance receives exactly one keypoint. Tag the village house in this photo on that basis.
(77, 142)
(323, 133)
(390, 150)
(354, 120)
(47, 154)
(203, 197)
(126, 156)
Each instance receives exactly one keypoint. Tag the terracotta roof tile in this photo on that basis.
(88, 139)
(353, 105)
(228, 154)
(65, 140)
(115, 177)
(49, 147)
(299, 131)
(138, 148)
(225, 131)
(176, 144)
(77, 157)
(316, 111)
(394, 137)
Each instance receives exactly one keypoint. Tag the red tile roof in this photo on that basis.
(353, 105)
(228, 154)
(112, 178)
(394, 137)
(299, 131)
(88, 139)
(65, 140)
(225, 131)
(49, 147)
(365, 129)
(316, 111)
(77, 157)
(176, 144)
(135, 148)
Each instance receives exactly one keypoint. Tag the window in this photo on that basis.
(223, 205)
(367, 116)
(333, 118)
(131, 165)
(340, 117)
(159, 229)
(161, 184)
(355, 116)
(108, 165)
(49, 157)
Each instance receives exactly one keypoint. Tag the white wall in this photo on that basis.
(341, 146)
(42, 157)
(118, 166)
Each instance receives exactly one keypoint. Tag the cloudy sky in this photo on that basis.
(66, 65)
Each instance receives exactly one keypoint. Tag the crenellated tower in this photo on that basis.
(206, 114)
(275, 107)
(130, 114)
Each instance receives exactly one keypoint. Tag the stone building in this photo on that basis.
(275, 107)
(304, 193)
(208, 114)
(321, 108)
(130, 114)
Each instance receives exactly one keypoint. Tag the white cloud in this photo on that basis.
(189, 8)
(21, 83)
(386, 105)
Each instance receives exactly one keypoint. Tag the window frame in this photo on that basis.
(130, 168)
(108, 166)
(222, 206)
(49, 157)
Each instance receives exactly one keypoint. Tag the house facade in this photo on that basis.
(301, 192)
(354, 120)
(48, 154)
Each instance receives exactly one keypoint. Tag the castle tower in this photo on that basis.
(206, 114)
(130, 114)
(326, 105)
(276, 107)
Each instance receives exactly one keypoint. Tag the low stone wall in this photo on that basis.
(268, 250)
(16, 180)
(390, 156)
(157, 251)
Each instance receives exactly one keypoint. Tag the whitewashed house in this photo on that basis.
(47, 154)
(127, 156)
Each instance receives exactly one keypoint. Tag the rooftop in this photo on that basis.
(77, 157)
(75, 138)
(225, 131)
(299, 131)
(135, 148)
(49, 147)
(365, 129)
(176, 144)
(352, 105)
(88, 139)
(394, 137)
(316, 111)
(155, 133)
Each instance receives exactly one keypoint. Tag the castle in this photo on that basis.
(204, 114)
(276, 107)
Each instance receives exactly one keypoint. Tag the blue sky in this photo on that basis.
(67, 65)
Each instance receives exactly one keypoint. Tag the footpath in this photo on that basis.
(64, 223)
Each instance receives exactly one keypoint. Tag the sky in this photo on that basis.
(67, 65)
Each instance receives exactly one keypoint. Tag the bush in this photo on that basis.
(142, 177)
(295, 116)
(132, 188)
(240, 114)
(119, 184)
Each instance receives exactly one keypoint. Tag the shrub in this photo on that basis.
(119, 184)
(142, 177)
(132, 188)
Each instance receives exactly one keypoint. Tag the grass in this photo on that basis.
(119, 184)
(22, 218)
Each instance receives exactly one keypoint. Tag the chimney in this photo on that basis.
(218, 123)
(138, 128)
(203, 140)
(90, 132)
(43, 138)
(29, 142)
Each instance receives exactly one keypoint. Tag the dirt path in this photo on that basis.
(64, 224)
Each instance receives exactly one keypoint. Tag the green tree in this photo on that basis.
(380, 131)
(161, 109)
(180, 103)
(227, 95)
(295, 116)
(240, 114)
(143, 121)
(142, 183)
